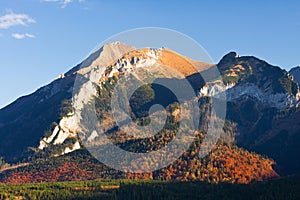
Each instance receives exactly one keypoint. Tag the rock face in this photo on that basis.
(296, 74)
(256, 79)
(250, 78)
(93, 68)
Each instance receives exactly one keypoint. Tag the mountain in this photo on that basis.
(41, 130)
(46, 111)
(262, 101)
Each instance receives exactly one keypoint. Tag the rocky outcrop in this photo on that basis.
(256, 79)
(68, 126)
(296, 74)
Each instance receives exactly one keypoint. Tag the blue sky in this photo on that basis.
(40, 39)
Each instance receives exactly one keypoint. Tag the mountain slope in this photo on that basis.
(24, 122)
(281, 143)
(224, 164)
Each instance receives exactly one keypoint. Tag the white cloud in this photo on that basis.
(13, 19)
(20, 36)
(63, 3)
(29, 35)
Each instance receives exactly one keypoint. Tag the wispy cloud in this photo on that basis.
(21, 36)
(13, 19)
(66, 2)
(63, 3)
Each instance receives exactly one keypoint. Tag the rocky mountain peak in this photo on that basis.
(101, 57)
(228, 59)
(259, 80)
(296, 73)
